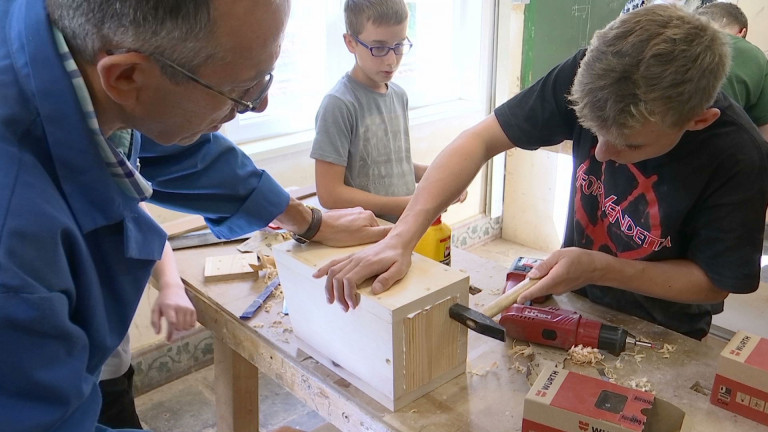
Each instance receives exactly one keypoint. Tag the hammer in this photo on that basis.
(482, 322)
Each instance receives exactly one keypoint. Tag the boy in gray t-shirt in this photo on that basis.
(362, 149)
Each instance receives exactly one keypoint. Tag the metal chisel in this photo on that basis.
(256, 304)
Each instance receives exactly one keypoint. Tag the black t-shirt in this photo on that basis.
(703, 201)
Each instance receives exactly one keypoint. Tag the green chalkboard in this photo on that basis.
(555, 29)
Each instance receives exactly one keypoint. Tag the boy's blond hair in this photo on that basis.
(379, 12)
(658, 63)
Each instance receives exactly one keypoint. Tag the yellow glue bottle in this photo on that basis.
(436, 242)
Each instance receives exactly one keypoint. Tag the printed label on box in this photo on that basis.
(741, 382)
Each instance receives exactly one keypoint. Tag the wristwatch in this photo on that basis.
(312, 229)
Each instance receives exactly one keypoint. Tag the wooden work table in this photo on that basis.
(488, 398)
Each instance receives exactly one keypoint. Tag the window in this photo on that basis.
(449, 63)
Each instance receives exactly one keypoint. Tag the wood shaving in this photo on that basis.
(668, 348)
(582, 355)
(641, 384)
(637, 356)
(484, 372)
(258, 325)
(522, 350)
(610, 374)
(519, 368)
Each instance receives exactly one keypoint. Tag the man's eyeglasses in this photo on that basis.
(383, 50)
(243, 106)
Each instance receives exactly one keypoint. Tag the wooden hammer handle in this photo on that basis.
(508, 298)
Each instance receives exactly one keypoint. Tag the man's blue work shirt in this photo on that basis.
(75, 251)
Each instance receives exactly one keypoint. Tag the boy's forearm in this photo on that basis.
(345, 197)
(165, 274)
(678, 280)
(418, 171)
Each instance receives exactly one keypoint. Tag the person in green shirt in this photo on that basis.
(747, 81)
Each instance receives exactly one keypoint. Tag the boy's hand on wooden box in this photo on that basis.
(384, 260)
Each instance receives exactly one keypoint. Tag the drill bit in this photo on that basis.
(635, 341)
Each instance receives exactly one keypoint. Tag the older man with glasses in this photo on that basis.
(90, 87)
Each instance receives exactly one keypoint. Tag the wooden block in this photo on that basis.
(395, 346)
(184, 225)
(228, 267)
(303, 192)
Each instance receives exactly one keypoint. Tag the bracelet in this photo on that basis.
(312, 229)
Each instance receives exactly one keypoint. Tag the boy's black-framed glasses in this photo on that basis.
(383, 50)
(242, 105)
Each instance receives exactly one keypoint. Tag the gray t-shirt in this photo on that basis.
(367, 132)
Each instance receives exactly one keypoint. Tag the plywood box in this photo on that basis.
(741, 382)
(395, 346)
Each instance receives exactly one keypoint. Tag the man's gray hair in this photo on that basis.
(178, 30)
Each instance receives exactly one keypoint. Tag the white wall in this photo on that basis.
(757, 14)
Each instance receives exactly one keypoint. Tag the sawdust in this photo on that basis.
(637, 356)
(483, 372)
(582, 355)
(525, 351)
(522, 350)
(668, 348)
(610, 374)
(641, 384)
(519, 368)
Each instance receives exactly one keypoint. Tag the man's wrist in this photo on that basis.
(312, 229)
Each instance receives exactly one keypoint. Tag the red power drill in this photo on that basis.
(557, 327)
(550, 326)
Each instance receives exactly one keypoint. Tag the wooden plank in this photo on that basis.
(184, 225)
(229, 267)
(236, 385)
(303, 192)
(433, 344)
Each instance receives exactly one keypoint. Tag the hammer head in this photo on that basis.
(476, 321)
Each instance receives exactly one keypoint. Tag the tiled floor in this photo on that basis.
(187, 404)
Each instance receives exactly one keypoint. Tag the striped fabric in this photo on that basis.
(113, 150)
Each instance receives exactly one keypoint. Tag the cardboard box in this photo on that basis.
(741, 382)
(395, 346)
(566, 401)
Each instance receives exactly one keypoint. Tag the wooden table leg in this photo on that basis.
(236, 384)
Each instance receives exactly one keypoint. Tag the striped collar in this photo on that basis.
(117, 147)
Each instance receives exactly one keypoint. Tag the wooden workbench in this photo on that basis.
(488, 398)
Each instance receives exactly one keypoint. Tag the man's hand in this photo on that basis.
(385, 259)
(173, 304)
(563, 271)
(349, 227)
